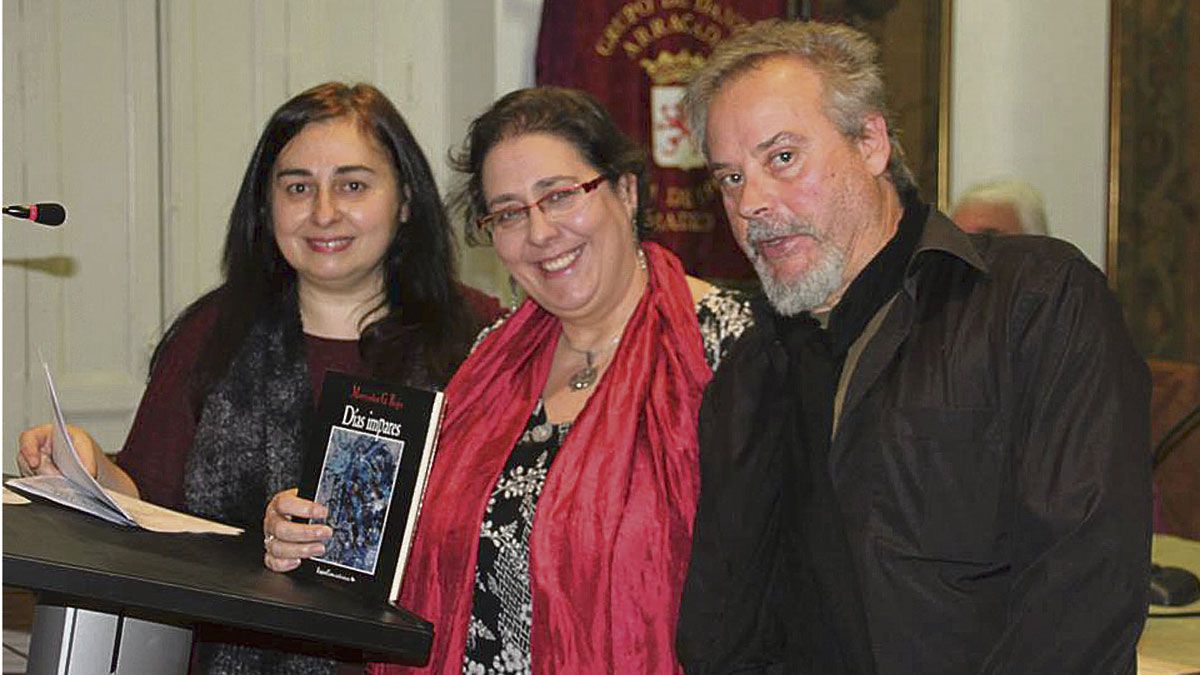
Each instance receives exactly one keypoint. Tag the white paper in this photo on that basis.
(159, 519)
(13, 498)
(143, 514)
(66, 458)
(60, 489)
(77, 489)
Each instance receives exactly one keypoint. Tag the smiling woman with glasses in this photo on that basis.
(579, 407)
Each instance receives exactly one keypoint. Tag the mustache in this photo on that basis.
(759, 230)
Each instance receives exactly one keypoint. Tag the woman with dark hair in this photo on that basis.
(581, 407)
(339, 256)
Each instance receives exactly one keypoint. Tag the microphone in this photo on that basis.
(45, 213)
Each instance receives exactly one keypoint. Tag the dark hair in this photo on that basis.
(425, 311)
(569, 114)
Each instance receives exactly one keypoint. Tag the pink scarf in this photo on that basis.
(612, 533)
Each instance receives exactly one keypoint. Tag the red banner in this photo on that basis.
(636, 57)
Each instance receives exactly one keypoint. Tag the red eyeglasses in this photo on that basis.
(556, 203)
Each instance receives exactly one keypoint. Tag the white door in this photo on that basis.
(80, 127)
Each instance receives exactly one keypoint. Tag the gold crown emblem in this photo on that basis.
(668, 68)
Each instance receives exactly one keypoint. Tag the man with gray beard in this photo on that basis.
(930, 453)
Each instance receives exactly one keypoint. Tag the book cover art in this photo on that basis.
(369, 452)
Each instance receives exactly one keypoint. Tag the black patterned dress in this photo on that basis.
(502, 610)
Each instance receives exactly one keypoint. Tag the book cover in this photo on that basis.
(368, 456)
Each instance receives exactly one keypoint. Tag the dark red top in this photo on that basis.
(157, 447)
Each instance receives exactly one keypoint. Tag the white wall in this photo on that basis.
(506, 30)
(517, 24)
(1030, 100)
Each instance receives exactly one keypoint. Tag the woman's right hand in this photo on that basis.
(287, 542)
(36, 445)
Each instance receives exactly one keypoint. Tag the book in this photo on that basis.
(367, 460)
(76, 488)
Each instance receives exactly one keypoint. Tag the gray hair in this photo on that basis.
(846, 59)
(1024, 198)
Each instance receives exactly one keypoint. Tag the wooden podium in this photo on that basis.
(117, 600)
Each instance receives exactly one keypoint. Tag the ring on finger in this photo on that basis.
(267, 540)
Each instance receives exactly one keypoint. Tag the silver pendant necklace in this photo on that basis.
(587, 375)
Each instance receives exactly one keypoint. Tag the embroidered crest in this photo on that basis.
(671, 139)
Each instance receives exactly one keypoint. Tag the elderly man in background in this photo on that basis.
(929, 455)
(1001, 207)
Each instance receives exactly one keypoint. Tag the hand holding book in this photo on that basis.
(369, 449)
(35, 457)
(288, 538)
(65, 465)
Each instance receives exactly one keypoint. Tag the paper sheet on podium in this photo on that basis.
(76, 488)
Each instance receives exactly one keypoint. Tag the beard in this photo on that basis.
(810, 288)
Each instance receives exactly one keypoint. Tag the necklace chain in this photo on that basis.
(586, 376)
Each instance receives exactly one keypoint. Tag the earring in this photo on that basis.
(515, 293)
(637, 245)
